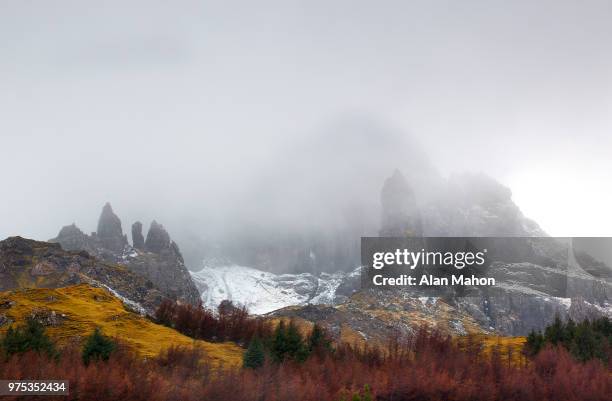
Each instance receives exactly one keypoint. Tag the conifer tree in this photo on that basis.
(296, 349)
(30, 337)
(554, 332)
(288, 343)
(318, 341)
(535, 342)
(254, 356)
(279, 342)
(98, 347)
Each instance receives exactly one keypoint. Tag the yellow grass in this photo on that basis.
(82, 308)
(508, 347)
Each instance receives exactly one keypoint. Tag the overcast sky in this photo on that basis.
(164, 107)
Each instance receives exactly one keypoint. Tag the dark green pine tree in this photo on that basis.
(535, 342)
(318, 341)
(585, 345)
(568, 332)
(30, 337)
(554, 333)
(296, 349)
(278, 347)
(254, 356)
(98, 347)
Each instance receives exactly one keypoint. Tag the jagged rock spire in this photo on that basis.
(109, 231)
(137, 237)
(400, 214)
(158, 238)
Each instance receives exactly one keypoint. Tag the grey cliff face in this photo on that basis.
(400, 214)
(158, 238)
(137, 238)
(534, 274)
(72, 239)
(109, 231)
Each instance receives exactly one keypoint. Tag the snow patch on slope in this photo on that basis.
(259, 291)
(263, 292)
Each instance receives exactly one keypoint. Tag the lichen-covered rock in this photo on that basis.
(4, 320)
(47, 317)
(43, 268)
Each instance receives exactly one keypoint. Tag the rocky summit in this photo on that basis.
(158, 239)
(137, 238)
(158, 259)
(110, 233)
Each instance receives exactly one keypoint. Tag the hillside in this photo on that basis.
(26, 263)
(373, 318)
(71, 313)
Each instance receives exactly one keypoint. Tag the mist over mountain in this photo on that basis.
(309, 206)
(322, 187)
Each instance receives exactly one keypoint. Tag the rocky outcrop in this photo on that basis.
(164, 265)
(137, 239)
(373, 317)
(158, 259)
(72, 238)
(400, 214)
(34, 264)
(109, 231)
(158, 238)
(475, 205)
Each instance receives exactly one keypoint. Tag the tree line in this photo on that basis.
(586, 340)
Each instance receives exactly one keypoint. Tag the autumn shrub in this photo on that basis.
(230, 323)
(426, 366)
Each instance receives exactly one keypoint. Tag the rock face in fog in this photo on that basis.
(72, 238)
(137, 238)
(474, 205)
(158, 238)
(400, 214)
(536, 278)
(316, 201)
(158, 259)
(109, 231)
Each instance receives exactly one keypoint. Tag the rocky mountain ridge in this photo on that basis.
(157, 258)
(26, 263)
